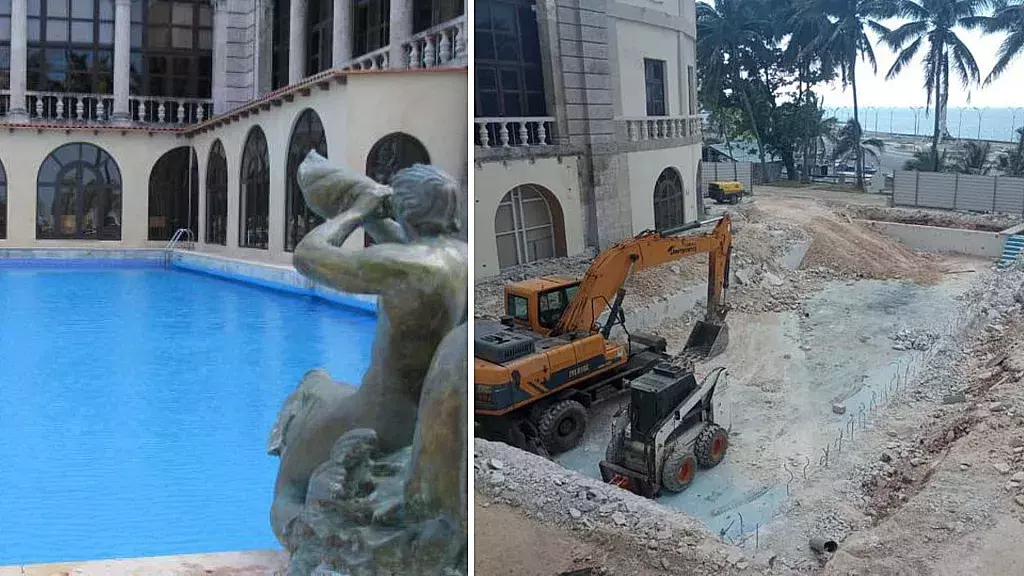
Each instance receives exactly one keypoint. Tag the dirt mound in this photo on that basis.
(940, 218)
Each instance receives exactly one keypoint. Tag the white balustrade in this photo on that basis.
(514, 132)
(98, 108)
(443, 45)
(661, 127)
(169, 111)
(66, 106)
(376, 60)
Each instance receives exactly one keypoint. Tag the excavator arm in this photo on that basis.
(609, 271)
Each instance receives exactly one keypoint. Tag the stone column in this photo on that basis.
(341, 42)
(297, 42)
(19, 59)
(401, 30)
(219, 88)
(122, 59)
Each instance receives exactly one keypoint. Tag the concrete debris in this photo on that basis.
(839, 409)
(1002, 467)
(496, 464)
(1018, 477)
(1019, 499)
(954, 398)
(920, 340)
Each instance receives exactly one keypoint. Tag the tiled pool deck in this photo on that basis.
(284, 278)
(255, 562)
(277, 277)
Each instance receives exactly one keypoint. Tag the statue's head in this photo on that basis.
(426, 201)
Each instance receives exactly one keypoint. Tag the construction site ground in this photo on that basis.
(874, 397)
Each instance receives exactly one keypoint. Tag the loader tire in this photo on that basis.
(711, 445)
(613, 452)
(562, 425)
(679, 470)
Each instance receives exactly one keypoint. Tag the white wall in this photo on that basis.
(493, 180)
(644, 169)
(635, 42)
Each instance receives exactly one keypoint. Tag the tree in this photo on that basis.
(930, 160)
(1012, 163)
(974, 158)
(1008, 18)
(932, 25)
(850, 140)
(845, 40)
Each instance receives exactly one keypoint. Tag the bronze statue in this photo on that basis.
(372, 480)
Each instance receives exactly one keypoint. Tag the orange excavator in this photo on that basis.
(539, 370)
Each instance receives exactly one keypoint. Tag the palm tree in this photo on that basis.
(844, 38)
(932, 24)
(974, 158)
(1008, 18)
(728, 34)
(930, 160)
(850, 140)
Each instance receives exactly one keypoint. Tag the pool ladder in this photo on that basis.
(182, 236)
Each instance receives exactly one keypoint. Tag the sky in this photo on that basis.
(907, 89)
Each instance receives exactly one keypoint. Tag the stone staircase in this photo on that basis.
(1011, 250)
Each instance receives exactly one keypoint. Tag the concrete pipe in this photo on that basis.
(822, 544)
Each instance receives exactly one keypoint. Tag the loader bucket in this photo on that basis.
(707, 339)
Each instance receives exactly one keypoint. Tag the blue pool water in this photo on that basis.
(135, 405)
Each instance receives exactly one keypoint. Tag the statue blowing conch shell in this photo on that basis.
(372, 479)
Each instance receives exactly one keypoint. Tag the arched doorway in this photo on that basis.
(669, 200)
(174, 194)
(391, 154)
(528, 226)
(78, 194)
(307, 135)
(254, 192)
(3, 202)
(217, 195)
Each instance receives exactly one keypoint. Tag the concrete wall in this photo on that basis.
(959, 192)
(942, 240)
(644, 169)
(495, 179)
(637, 41)
(430, 106)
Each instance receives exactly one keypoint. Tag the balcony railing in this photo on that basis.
(661, 127)
(533, 131)
(99, 108)
(442, 45)
(377, 60)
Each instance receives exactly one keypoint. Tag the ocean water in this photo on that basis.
(962, 122)
(135, 406)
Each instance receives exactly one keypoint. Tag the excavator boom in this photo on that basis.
(609, 271)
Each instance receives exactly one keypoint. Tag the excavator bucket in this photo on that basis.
(707, 340)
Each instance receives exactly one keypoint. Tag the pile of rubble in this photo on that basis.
(559, 497)
(914, 339)
(925, 217)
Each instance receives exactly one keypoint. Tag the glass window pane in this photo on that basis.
(57, 8)
(535, 213)
(205, 16)
(159, 37)
(181, 37)
(506, 250)
(136, 35)
(5, 28)
(503, 219)
(107, 9)
(83, 8)
(5, 6)
(56, 30)
(159, 12)
(182, 14)
(34, 7)
(81, 32)
(181, 66)
(136, 11)
(106, 33)
(33, 29)
(205, 40)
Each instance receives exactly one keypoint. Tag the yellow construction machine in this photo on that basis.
(539, 369)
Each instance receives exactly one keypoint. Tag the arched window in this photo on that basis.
(669, 200)
(174, 194)
(217, 196)
(254, 193)
(528, 226)
(78, 194)
(3, 202)
(319, 32)
(391, 154)
(307, 135)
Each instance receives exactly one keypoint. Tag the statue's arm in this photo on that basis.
(368, 271)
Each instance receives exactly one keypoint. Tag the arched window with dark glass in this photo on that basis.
(71, 46)
(319, 35)
(78, 194)
(669, 200)
(217, 196)
(254, 193)
(307, 135)
(429, 13)
(174, 194)
(171, 52)
(371, 21)
(3, 202)
(391, 154)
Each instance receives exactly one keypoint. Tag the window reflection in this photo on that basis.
(254, 194)
(79, 195)
(217, 196)
(299, 219)
(174, 194)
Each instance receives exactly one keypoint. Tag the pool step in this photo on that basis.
(1011, 250)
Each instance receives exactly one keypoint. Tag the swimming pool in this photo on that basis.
(136, 403)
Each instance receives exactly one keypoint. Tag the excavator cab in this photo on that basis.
(537, 304)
